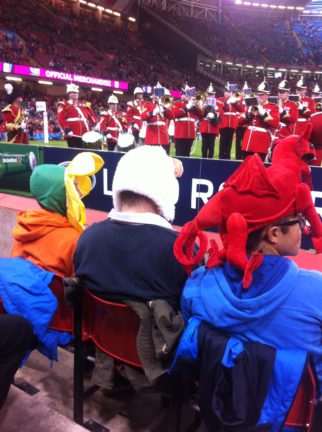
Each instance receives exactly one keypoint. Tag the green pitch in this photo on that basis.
(196, 149)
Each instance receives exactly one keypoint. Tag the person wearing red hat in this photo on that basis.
(75, 118)
(14, 123)
(306, 107)
(261, 120)
(248, 288)
(288, 110)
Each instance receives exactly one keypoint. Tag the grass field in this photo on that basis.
(196, 150)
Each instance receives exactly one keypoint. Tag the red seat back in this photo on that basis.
(301, 412)
(113, 327)
(63, 317)
(1, 307)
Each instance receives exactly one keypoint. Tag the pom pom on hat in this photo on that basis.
(148, 171)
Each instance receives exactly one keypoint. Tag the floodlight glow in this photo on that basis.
(11, 78)
(97, 89)
(117, 14)
(92, 5)
(45, 82)
(132, 19)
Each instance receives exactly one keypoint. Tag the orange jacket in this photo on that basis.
(46, 239)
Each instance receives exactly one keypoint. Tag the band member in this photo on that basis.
(262, 120)
(14, 123)
(155, 113)
(134, 111)
(306, 108)
(316, 121)
(75, 118)
(112, 122)
(231, 104)
(186, 113)
(209, 125)
(317, 98)
(288, 110)
(241, 127)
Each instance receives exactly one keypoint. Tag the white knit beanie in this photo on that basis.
(148, 171)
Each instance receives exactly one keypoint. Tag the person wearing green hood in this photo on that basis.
(48, 237)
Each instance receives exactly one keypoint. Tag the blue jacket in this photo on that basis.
(24, 289)
(281, 308)
(288, 368)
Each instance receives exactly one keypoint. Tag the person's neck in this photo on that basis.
(138, 208)
(267, 249)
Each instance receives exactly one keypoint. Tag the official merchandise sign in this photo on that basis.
(61, 76)
(16, 165)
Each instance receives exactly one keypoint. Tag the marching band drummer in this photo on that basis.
(134, 111)
(288, 110)
(112, 122)
(155, 114)
(186, 113)
(306, 108)
(75, 118)
(209, 125)
(14, 123)
(262, 120)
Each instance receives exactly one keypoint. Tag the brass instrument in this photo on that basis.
(167, 101)
(200, 98)
(238, 95)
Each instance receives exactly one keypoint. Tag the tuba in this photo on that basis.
(167, 101)
(200, 98)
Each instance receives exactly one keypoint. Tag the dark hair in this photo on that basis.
(131, 199)
(256, 237)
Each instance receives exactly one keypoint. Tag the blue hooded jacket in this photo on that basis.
(281, 308)
(24, 289)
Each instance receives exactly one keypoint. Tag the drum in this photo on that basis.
(93, 140)
(125, 140)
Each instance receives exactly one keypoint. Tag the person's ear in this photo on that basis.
(273, 234)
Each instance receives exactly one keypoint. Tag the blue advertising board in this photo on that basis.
(201, 179)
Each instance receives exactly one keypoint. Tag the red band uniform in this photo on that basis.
(13, 122)
(185, 117)
(231, 107)
(75, 118)
(288, 111)
(209, 129)
(156, 130)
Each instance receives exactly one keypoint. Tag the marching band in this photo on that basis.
(256, 119)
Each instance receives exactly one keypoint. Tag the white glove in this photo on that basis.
(136, 126)
(210, 115)
(109, 136)
(261, 110)
(70, 133)
(232, 100)
(97, 127)
(156, 111)
(190, 105)
(281, 109)
(23, 125)
(301, 106)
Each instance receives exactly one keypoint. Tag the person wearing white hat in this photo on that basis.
(130, 255)
(288, 110)
(134, 111)
(306, 107)
(316, 122)
(112, 122)
(262, 120)
(75, 118)
(232, 105)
